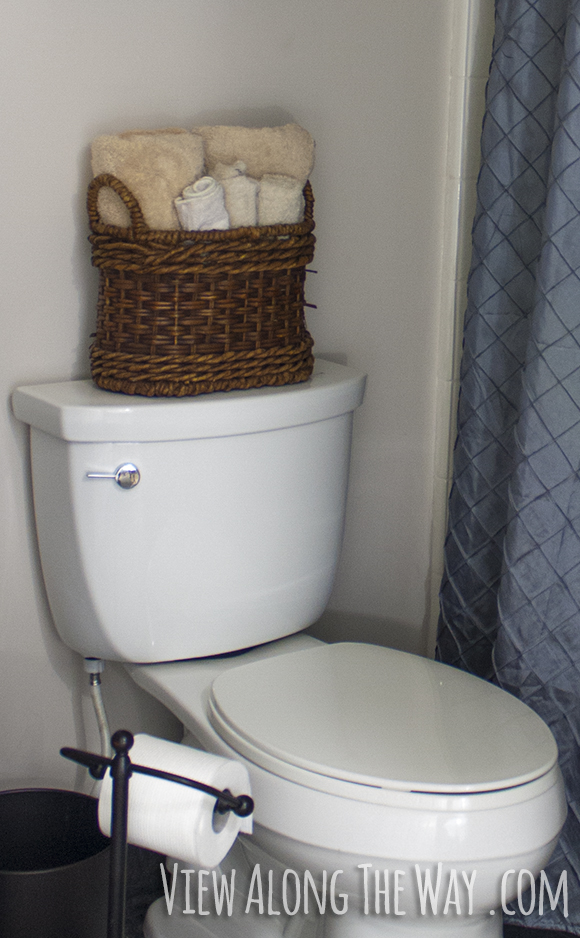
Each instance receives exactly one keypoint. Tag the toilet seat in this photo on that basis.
(320, 810)
(320, 717)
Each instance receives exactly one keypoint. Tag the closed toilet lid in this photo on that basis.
(374, 716)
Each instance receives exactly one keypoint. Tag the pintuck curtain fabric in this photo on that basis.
(510, 597)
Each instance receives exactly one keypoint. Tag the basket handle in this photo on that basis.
(106, 180)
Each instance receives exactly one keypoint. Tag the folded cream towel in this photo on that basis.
(241, 194)
(287, 150)
(202, 206)
(154, 165)
(153, 133)
(280, 201)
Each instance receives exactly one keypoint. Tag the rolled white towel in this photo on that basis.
(201, 206)
(241, 193)
(280, 200)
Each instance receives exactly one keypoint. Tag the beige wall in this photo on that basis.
(370, 79)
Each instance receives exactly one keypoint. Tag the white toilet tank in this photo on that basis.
(231, 536)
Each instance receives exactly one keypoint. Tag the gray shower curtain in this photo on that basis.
(510, 597)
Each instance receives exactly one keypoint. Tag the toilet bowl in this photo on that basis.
(193, 540)
(364, 759)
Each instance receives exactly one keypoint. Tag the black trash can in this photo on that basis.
(54, 865)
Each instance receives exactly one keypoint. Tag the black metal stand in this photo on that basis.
(121, 770)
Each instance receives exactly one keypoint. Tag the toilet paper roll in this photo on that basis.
(174, 819)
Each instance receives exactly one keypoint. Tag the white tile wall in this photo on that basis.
(473, 25)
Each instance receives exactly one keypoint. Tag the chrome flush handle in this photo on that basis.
(127, 475)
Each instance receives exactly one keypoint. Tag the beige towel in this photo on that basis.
(153, 133)
(241, 194)
(280, 201)
(154, 165)
(287, 150)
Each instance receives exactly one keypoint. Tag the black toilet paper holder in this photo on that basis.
(121, 770)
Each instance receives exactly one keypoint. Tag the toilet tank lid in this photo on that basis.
(78, 411)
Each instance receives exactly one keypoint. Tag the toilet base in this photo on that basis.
(362, 926)
(158, 924)
(181, 923)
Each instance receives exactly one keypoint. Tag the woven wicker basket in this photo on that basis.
(187, 312)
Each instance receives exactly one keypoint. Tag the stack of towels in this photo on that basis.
(208, 178)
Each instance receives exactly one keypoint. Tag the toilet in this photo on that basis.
(194, 539)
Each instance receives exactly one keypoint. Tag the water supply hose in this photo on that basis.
(94, 667)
